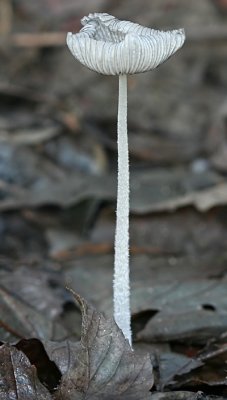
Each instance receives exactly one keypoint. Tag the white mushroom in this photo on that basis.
(112, 47)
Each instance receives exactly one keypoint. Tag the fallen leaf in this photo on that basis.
(146, 273)
(194, 310)
(105, 367)
(151, 191)
(203, 200)
(65, 192)
(211, 373)
(63, 353)
(172, 364)
(164, 234)
(20, 320)
(183, 395)
(160, 190)
(35, 288)
(18, 377)
(47, 370)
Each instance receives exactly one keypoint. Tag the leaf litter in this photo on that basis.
(57, 178)
(18, 377)
(105, 366)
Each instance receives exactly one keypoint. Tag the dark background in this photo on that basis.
(58, 174)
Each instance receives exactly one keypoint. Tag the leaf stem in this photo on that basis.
(121, 288)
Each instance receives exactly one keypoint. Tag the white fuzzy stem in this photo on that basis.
(121, 287)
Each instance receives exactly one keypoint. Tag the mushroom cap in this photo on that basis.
(113, 47)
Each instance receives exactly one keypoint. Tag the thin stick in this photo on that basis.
(6, 16)
(212, 36)
(121, 265)
(40, 39)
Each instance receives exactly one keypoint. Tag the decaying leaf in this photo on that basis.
(32, 286)
(47, 370)
(202, 200)
(183, 395)
(105, 367)
(173, 364)
(146, 272)
(63, 353)
(151, 191)
(19, 320)
(18, 379)
(168, 191)
(194, 310)
(65, 193)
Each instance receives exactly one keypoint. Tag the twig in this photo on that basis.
(106, 248)
(6, 15)
(45, 39)
(212, 354)
(211, 35)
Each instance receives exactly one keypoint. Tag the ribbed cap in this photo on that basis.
(113, 47)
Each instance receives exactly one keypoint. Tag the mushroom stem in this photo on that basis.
(121, 288)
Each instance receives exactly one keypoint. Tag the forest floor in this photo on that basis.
(58, 155)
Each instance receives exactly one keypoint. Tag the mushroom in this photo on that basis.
(113, 47)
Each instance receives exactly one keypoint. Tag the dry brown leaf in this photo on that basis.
(18, 379)
(105, 368)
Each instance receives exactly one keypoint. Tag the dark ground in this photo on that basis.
(58, 193)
